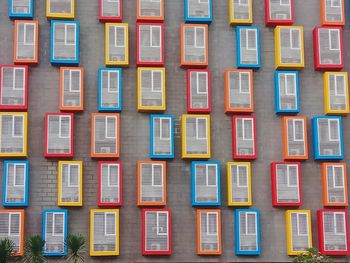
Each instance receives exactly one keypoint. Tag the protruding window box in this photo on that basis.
(21, 9)
(198, 11)
(239, 184)
(198, 91)
(60, 9)
(241, 12)
(12, 228)
(279, 12)
(26, 42)
(150, 10)
(109, 184)
(248, 47)
(111, 10)
(110, 83)
(244, 144)
(332, 12)
(336, 93)
(162, 145)
(71, 89)
(70, 183)
(117, 44)
(287, 98)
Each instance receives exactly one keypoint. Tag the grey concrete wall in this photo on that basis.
(44, 97)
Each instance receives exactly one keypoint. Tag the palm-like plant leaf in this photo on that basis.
(7, 250)
(33, 250)
(76, 248)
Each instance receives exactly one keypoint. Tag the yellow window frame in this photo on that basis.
(118, 63)
(50, 15)
(327, 103)
(277, 35)
(290, 250)
(229, 182)
(150, 108)
(59, 195)
(184, 118)
(25, 134)
(235, 21)
(105, 253)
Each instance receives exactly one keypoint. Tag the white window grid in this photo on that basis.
(331, 34)
(289, 175)
(197, 82)
(244, 120)
(15, 177)
(25, 25)
(107, 135)
(154, 89)
(60, 121)
(109, 181)
(54, 233)
(109, 73)
(334, 176)
(161, 137)
(291, 30)
(106, 214)
(153, 175)
(295, 121)
(337, 138)
(246, 31)
(71, 88)
(115, 36)
(241, 90)
(18, 117)
(70, 174)
(66, 25)
(162, 233)
(216, 230)
(198, 137)
(154, 28)
(246, 223)
(285, 77)
(10, 234)
(298, 215)
(239, 184)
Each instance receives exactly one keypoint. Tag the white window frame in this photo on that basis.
(70, 80)
(330, 39)
(333, 5)
(195, 36)
(106, 127)
(209, 233)
(109, 175)
(298, 224)
(197, 82)
(291, 38)
(335, 224)
(207, 175)
(247, 30)
(240, 82)
(66, 25)
(10, 221)
(105, 226)
(54, 234)
(246, 174)
(69, 174)
(152, 81)
(25, 25)
(151, 34)
(14, 77)
(246, 223)
(285, 88)
(333, 177)
(60, 127)
(115, 37)
(288, 174)
(111, 1)
(329, 130)
(161, 128)
(167, 223)
(197, 129)
(336, 90)
(109, 72)
(13, 126)
(15, 174)
(294, 130)
(282, 4)
(243, 4)
(162, 174)
(243, 126)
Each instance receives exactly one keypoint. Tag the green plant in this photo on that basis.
(76, 248)
(33, 250)
(7, 251)
(313, 256)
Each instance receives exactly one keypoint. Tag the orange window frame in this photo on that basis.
(36, 30)
(72, 108)
(324, 21)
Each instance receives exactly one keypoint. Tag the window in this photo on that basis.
(333, 130)
(73, 171)
(244, 82)
(294, 38)
(157, 175)
(211, 175)
(14, 224)
(285, 2)
(338, 176)
(155, 36)
(57, 224)
(298, 130)
(162, 223)
(110, 219)
(339, 223)
(335, 3)
(212, 224)
(338, 83)
(334, 39)
(288, 83)
(18, 174)
(199, 37)
(246, 132)
(250, 223)
(113, 175)
(69, 34)
(113, 87)
(164, 129)
(156, 80)
(251, 39)
(201, 128)
(28, 36)
(243, 2)
(202, 83)
(119, 36)
(18, 79)
(74, 80)
(110, 127)
(302, 223)
(242, 176)
(17, 126)
(64, 127)
(292, 175)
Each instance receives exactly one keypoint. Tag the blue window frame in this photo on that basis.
(247, 231)
(328, 138)
(110, 82)
(15, 183)
(20, 10)
(54, 232)
(162, 136)
(287, 98)
(64, 47)
(198, 11)
(205, 183)
(248, 47)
